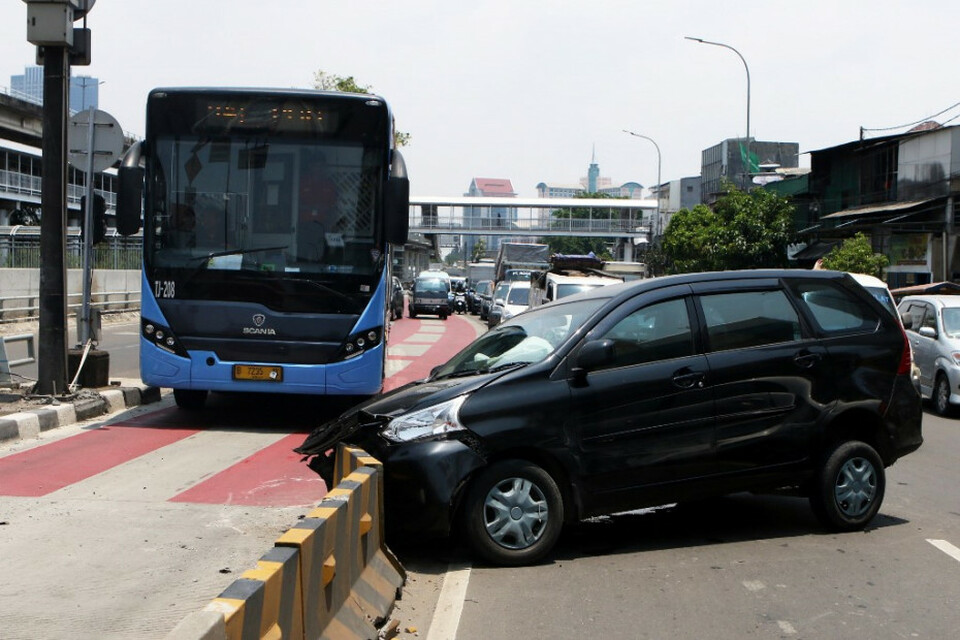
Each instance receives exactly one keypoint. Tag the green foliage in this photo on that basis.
(324, 81)
(479, 250)
(856, 255)
(742, 231)
(568, 218)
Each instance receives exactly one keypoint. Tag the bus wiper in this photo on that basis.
(236, 252)
(205, 259)
(339, 294)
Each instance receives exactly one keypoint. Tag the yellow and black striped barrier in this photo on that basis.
(330, 576)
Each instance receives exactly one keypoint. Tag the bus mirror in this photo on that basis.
(129, 192)
(396, 202)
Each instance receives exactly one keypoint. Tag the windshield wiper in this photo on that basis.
(357, 306)
(205, 259)
(505, 367)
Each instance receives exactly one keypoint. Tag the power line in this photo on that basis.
(911, 124)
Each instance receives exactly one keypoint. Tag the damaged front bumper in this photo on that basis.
(423, 481)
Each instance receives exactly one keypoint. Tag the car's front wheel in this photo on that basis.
(849, 487)
(513, 513)
(941, 395)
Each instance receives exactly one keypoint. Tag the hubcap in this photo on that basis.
(515, 513)
(856, 487)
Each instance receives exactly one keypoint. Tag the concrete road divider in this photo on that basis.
(329, 576)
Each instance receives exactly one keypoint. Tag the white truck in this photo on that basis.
(566, 276)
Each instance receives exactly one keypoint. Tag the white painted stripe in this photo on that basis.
(754, 585)
(184, 463)
(947, 548)
(446, 617)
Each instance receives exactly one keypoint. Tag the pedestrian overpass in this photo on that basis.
(621, 220)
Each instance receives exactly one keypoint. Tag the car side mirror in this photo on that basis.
(928, 332)
(595, 354)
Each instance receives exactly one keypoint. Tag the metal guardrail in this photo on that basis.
(5, 363)
(105, 301)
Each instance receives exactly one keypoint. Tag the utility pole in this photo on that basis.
(50, 27)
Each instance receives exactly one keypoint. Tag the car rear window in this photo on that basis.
(834, 310)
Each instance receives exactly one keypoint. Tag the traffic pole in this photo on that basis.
(52, 348)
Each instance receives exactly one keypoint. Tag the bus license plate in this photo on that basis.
(257, 372)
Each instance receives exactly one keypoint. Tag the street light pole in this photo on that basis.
(743, 60)
(659, 183)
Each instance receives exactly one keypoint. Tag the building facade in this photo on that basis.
(726, 161)
(488, 217)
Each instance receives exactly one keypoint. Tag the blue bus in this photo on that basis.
(268, 220)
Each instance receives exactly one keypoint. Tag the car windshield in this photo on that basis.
(431, 284)
(526, 339)
(951, 322)
(518, 295)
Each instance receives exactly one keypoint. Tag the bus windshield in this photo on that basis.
(278, 192)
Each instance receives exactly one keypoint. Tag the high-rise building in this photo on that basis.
(84, 90)
(592, 183)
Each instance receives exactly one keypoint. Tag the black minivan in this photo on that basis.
(646, 393)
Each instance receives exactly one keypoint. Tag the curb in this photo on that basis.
(29, 424)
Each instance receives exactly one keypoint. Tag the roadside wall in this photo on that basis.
(20, 289)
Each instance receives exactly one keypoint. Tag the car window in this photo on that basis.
(745, 319)
(834, 310)
(916, 311)
(660, 331)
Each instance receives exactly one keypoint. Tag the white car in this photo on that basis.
(517, 299)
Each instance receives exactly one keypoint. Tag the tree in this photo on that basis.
(479, 250)
(347, 84)
(574, 244)
(742, 231)
(856, 255)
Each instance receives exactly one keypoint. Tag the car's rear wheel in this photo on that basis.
(513, 513)
(941, 395)
(190, 399)
(849, 487)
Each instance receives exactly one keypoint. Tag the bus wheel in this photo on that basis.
(190, 399)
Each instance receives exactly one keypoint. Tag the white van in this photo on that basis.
(547, 287)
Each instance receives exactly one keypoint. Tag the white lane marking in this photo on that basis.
(446, 617)
(754, 585)
(947, 548)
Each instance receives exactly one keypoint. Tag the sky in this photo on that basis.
(532, 90)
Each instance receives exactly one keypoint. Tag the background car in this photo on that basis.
(933, 326)
(483, 297)
(495, 313)
(396, 299)
(516, 300)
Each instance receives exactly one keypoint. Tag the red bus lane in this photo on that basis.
(154, 513)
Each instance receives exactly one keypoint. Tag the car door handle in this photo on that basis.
(806, 359)
(686, 379)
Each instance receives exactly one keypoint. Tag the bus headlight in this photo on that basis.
(359, 342)
(162, 337)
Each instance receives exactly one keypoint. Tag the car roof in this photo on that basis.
(633, 287)
(945, 301)
(868, 281)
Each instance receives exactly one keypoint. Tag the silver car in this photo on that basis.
(934, 331)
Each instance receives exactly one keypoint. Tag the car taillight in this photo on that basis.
(904, 368)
